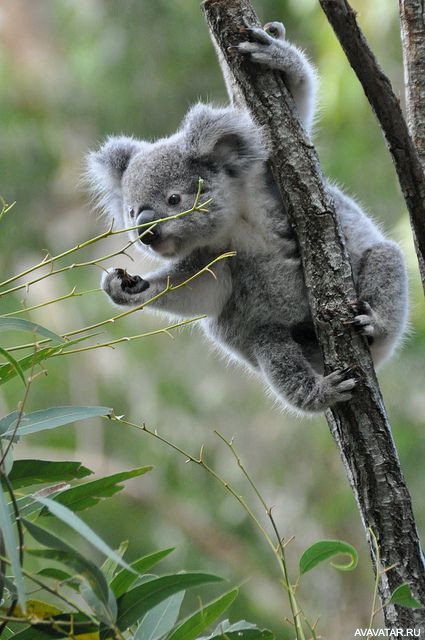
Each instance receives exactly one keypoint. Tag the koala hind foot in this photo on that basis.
(333, 388)
(365, 320)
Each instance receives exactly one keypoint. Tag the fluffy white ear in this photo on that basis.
(226, 137)
(105, 169)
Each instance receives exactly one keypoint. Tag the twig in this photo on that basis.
(169, 288)
(196, 207)
(71, 294)
(200, 461)
(111, 343)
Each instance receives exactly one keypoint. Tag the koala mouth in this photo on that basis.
(165, 247)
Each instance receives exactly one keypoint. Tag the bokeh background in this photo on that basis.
(74, 71)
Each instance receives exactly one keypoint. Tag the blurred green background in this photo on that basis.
(74, 71)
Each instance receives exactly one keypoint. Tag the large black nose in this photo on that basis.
(144, 217)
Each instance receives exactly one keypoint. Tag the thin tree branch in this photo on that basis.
(387, 109)
(360, 427)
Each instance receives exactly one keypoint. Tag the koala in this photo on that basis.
(256, 306)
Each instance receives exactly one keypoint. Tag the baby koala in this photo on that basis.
(256, 307)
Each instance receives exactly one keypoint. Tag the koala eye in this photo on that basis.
(174, 199)
(131, 212)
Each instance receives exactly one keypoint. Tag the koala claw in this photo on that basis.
(364, 321)
(131, 284)
(120, 286)
(255, 34)
(338, 385)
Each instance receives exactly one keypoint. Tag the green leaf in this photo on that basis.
(69, 518)
(7, 372)
(134, 604)
(125, 579)
(80, 623)
(109, 567)
(60, 551)
(19, 324)
(7, 421)
(242, 633)
(90, 493)
(15, 364)
(325, 549)
(11, 544)
(55, 417)
(106, 613)
(161, 619)
(54, 574)
(403, 597)
(29, 472)
(203, 618)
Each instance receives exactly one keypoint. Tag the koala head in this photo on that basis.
(137, 182)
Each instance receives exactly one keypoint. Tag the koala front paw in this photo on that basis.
(120, 286)
(264, 45)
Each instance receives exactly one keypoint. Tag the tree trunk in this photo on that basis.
(412, 19)
(360, 427)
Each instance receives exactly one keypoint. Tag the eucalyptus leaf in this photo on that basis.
(159, 621)
(403, 597)
(29, 472)
(69, 518)
(89, 494)
(325, 549)
(106, 613)
(19, 324)
(203, 618)
(134, 604)
(242, 633)
(78, 622)
(124, 579)
(57, 549)
(8, 372)
(7, 421)
(54, 417)
(11, 545)
(14, 364)
(109, 567)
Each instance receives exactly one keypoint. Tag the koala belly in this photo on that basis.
(264, 293)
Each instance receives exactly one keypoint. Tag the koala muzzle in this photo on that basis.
(147, 237)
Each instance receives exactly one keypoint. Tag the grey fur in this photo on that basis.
(257, 307)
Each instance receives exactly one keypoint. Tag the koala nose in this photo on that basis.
(145, 217)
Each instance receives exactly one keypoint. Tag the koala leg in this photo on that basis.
(203, 295)
(381, 311)
(291, 376)
(275, 52)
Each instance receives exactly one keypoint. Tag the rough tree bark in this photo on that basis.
(360, 427)
(386, 106)
(412, 19)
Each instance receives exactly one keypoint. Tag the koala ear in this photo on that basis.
(226, 137)
(105, 169)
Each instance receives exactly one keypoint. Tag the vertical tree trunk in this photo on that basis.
(412, 19)
(360, 427)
